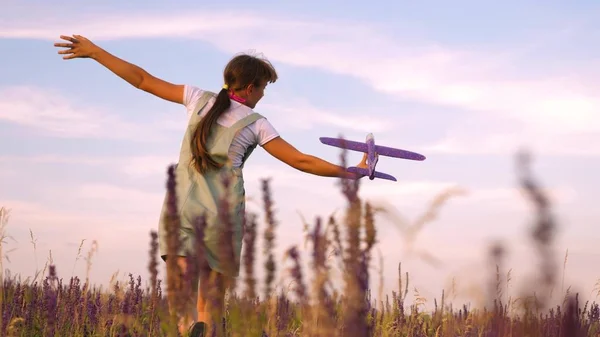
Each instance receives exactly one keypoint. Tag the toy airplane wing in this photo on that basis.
(398, 153)
(365, 172)
(362, 147)
(345, 144)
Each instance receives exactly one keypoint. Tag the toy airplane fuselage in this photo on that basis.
(373, 151)
(371, 157)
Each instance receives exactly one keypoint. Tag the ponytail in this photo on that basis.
(200, 157)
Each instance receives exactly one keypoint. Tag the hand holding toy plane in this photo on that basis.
(373, 151)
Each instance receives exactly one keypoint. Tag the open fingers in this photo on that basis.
(68, 38)
(65, 45)
(66, 51)
(73, 41)
(69, 54)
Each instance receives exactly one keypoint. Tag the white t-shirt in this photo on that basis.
(259, 132)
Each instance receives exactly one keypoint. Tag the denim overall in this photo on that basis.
(201, 193)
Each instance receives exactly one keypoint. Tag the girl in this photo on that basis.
(222, 132)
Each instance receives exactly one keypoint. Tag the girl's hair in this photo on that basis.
(240, 72)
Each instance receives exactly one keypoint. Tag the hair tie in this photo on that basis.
(225, 86)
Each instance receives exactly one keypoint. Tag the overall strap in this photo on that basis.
(202, 102)
(242, 123)
(222, 143)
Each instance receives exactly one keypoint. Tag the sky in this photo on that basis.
(467, 84)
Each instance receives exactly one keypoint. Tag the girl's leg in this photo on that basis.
(188, 318)
(211, 299)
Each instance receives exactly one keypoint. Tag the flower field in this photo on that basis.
(52, 306)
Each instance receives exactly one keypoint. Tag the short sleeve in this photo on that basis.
(266, 132)
(191, 96)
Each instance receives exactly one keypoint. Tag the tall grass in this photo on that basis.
(314, 306)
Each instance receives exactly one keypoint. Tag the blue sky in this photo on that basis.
(465, 84)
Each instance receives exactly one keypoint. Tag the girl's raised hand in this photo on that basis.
(78, 47)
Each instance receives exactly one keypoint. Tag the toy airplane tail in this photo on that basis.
(365, 172)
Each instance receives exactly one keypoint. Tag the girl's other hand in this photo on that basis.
(78, 47)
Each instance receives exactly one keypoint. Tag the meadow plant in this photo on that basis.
(52, 307)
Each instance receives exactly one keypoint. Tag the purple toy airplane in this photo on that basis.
(372, 151)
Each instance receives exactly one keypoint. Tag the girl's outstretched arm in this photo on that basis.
(81, 47)
(288, 154)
